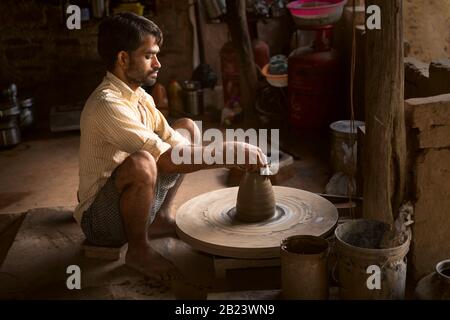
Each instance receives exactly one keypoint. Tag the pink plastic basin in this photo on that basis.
(316, 12)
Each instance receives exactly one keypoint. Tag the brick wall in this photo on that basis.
(60, 66)
(428, 128)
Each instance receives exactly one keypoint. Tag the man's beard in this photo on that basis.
(139, 78)
(149, 82)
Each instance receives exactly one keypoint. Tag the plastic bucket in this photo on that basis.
(304, 270)
(366, 271)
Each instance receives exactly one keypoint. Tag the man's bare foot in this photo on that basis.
(152, 264)
(163, 225)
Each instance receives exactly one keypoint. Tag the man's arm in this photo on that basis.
(253, 158)
(121, 127)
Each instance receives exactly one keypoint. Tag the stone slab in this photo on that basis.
(430, 242)
(430, 111)
(416, 78)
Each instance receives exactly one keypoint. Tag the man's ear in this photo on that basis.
(123, 59)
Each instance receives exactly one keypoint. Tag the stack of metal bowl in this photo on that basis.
(9, 117)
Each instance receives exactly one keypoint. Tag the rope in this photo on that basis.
(352, 111)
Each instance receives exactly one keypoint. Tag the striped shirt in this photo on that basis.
(116, 122)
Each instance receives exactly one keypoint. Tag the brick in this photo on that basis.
(31, 14)
(435, 137)
(15, 42)
(105, 253)
(22, 53)
(440, 76)
(416, 78)
(426, 113)
(54, 16)
(67, 42)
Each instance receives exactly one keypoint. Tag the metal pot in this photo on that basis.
(193, 97)
(27, 112)
(9, 132)
(304, 268)
(9, 128)
(9, 94)
(9, 112)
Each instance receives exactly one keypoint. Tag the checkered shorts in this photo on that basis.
(102, 222)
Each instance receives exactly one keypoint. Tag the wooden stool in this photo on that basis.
(105, 253)
(222, 264)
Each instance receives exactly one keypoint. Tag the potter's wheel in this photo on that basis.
(207, 223)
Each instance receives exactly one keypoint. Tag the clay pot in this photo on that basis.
(255, 199)
(159, 94)
(435, 286)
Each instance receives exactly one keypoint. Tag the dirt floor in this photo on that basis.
(39, 239)
(427, 28)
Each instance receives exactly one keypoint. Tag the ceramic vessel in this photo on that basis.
(255, 199)
(435, 286)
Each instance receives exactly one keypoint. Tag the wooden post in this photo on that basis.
(385, 144)
(237, 24)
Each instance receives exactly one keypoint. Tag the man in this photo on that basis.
(127, 176)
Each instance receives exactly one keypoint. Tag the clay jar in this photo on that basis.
(435, 286)
(255, 199)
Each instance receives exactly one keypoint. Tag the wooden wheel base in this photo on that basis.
(207, 223)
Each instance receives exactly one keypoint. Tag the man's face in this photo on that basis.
(144, 65)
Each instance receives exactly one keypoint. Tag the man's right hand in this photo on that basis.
(252, 157)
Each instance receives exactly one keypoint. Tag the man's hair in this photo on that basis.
(124, 32)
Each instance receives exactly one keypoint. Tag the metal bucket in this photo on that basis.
(341, 146)
(304, 270)
(9, 133)
(360, 257)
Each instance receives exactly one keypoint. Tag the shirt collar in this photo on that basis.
(127, 93)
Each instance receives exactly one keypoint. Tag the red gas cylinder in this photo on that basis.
(314, 88)
(229, 61)
(261, 52)
(229, 64)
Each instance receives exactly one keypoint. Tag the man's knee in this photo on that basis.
(142, 168)
(185, 124)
